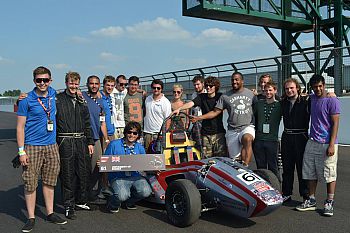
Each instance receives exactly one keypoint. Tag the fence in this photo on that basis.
(302, 69)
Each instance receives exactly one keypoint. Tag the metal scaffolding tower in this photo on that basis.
(324, 18)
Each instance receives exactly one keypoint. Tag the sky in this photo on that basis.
(112, 37)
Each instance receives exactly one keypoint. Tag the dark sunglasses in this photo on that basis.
(132, 132)
(123, 84)
(211, 86)
(158, 88)
(39, 80)
(177, 92)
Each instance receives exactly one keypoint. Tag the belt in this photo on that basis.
(71, 135)
(295, 131)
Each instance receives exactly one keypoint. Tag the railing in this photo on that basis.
(252, 69)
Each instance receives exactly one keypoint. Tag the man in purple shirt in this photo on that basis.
(321, 152)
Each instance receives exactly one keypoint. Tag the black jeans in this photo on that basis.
(265, 154)
(292, 149)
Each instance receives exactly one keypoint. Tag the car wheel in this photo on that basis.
(182, 203)
(270, 177)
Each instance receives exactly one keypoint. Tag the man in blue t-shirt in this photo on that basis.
(98, 114)
(37, 148)
(127, 186)
(321, 151)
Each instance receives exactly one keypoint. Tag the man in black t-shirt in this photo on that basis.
(212, 131)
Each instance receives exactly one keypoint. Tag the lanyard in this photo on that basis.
(268, 111)
(47, 110)
(95, 100)
(131, 148)
(110, 105)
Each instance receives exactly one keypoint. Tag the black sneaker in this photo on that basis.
(70, 213)
(28, 227)
(130, 207)
(83, 206)
(286, 198)
(54, 218)
(114, 210)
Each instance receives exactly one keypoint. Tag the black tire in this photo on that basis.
(270, 177)
(182, 203)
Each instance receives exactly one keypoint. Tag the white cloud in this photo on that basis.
(216, 34)
(60, 66)
(78, 39)
(110, 57)
(109, 32)
(310, 43)
(158, 29)
(4, 60)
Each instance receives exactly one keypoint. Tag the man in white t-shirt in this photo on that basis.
(118, 96)
(158, 107)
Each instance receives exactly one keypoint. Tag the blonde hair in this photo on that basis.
(178, 86)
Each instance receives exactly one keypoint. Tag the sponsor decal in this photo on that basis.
(104, 159)
(261, 186)
(120, 168)
(103, 168)
(248, 178)
(115, 159)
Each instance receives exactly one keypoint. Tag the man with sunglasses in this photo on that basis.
(212, 131)
(158, 107)
(128, 187)
(241, 131)
(118, 95)
(37, 147)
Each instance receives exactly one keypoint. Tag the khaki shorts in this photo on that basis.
(317, 165)
(44, 161)
(233, 140)
(214, 145)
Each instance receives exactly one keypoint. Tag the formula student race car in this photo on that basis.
(191, 185)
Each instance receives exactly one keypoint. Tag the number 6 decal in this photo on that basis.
(248, 178)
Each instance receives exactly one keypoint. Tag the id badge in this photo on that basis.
(50, 126)
(102, 118)
(266, 128)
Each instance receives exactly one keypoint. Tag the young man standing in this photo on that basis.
(296, 117)
(74, 136)
(37, 148)
(118, 95)
(133, 102)
(321, 152)
(212, 131)
(98, 110)
(241, 132)
(267, 114)
(158, 107)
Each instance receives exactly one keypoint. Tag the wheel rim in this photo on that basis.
(178, 203)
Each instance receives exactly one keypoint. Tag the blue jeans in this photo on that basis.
(129, 189)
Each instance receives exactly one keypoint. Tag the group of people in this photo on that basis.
(63, 135)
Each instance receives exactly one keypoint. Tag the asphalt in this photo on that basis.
(152, 218)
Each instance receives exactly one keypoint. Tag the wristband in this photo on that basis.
(21, 148)
(107, 140)
(21, 153)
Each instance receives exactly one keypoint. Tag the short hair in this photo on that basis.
(237, 73)
(265, 76)
(198, 78)
(316, 78)
(292, 80)
(134, 78)
(178, 86)
(41, 70)
(130, 125)
(159, 82)
(122, 76)
(92, 76)
(108, 78)
(211, 80)
(271, 84)
(73, 76)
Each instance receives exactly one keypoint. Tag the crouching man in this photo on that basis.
(128, 187)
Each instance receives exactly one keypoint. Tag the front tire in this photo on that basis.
(182, 203)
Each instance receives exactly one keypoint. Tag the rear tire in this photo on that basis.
(182, 203)
(270, 177)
